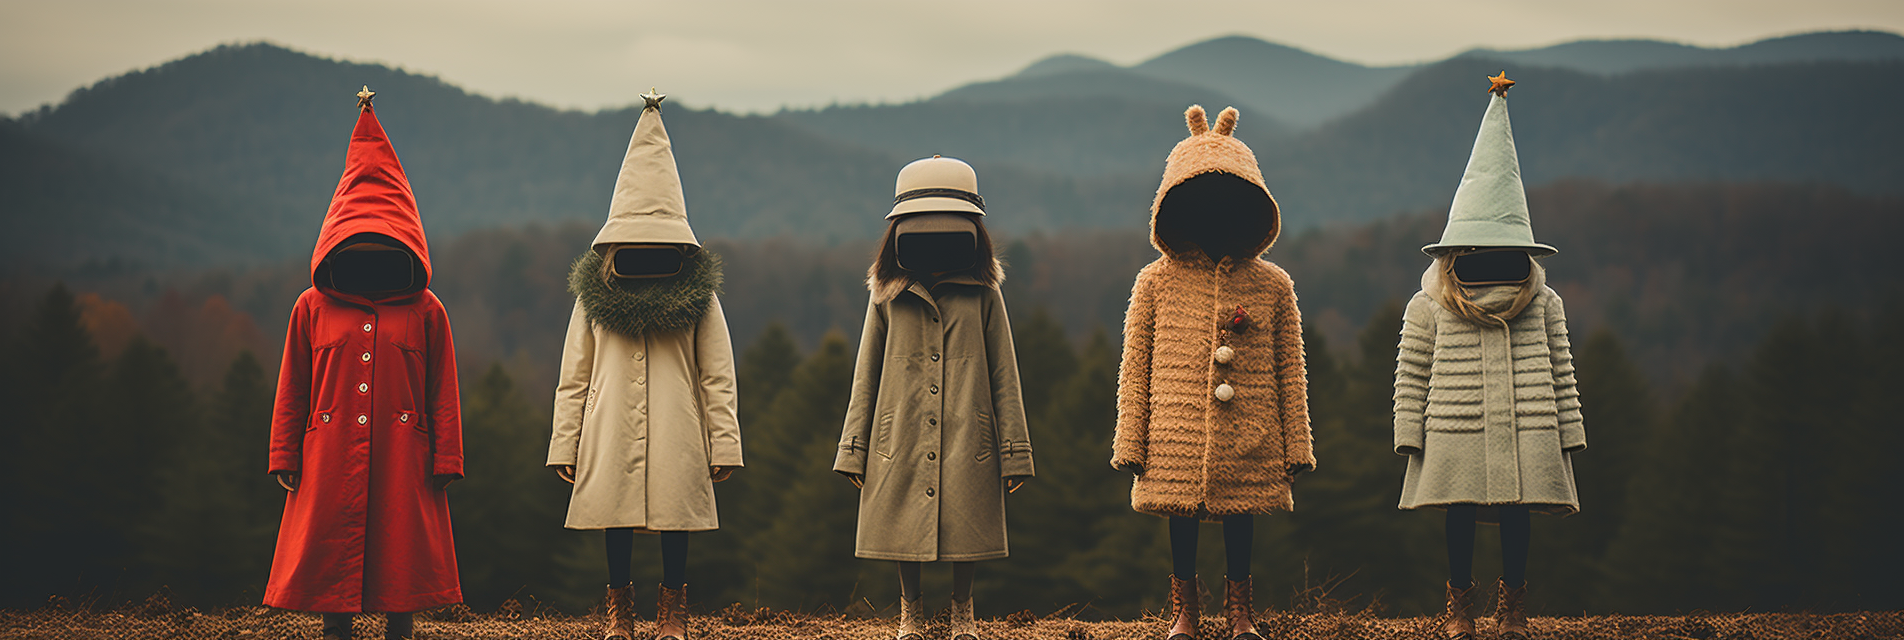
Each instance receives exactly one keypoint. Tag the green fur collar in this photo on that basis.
(634, 307)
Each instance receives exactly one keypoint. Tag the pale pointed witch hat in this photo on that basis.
(648, 206)
(1490, 206)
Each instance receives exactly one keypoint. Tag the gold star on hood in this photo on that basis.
(1501, 84)
(363, 97)
(653, 98)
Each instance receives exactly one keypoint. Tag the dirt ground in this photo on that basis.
(155, 619)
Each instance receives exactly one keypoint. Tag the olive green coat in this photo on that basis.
(935, 424)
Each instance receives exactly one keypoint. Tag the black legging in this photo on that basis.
(1238, 531)
(674, 557)
(1515, 534)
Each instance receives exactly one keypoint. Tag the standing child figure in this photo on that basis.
(367, 429)
(644, 410)
(1212, 399)
(1486, 409)
(935, 434)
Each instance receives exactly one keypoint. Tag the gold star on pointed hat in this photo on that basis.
(363, 97)
(653, 98)
(1501, 84)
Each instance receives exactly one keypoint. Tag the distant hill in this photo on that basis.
(233, 153)
(1408, 150)
(261, 130)
(1304, 90)
(1077, 123)
(1276, 81)
(1622, 56)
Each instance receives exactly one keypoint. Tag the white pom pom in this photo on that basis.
(1225, 354)
(1224, 392)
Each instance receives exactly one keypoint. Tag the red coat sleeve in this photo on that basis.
(444, 397)
(291, 412)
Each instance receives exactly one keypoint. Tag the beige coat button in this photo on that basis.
(403, 418)
(641, 356)
(363, 419)
(1224, 392)
(363, 387)
(366, 356)
(366, 327)
(326, 418)
(1225, 354)
(641, 379)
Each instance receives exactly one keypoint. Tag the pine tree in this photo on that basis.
(509, 508)
(54, 390)
(1049, 519)
(1345, 521)
(804, 557)
(1680, 544)
(1569, 555)
(1045, 360)
(211, 539)
(146, 425)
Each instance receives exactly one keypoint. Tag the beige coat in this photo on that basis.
(936, 422)
(643, 419)
(1487, 415)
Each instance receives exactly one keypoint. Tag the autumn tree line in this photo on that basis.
(1764, 484)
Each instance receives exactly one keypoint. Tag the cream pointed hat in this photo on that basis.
(1490, 206)
(648, 205)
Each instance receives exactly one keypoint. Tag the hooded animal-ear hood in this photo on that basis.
(373, 196)
(648, 205)
(1213, 150)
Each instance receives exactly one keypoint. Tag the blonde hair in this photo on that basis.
(1460, 300)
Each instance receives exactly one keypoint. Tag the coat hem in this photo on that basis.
(637, 528)
(421, 602)
(1549, 508)
(1207, 514)
(924, 557)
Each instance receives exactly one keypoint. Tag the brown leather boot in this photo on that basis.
(618, 613)
(912, 619)
(671, 614)
(1239, 603)
(1510, 612)
(1185, 609)
(1460, 624)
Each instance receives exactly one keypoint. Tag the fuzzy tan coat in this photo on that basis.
(1202, 457)
(1487, 415)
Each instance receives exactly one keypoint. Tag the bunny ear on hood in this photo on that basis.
(648, 206)
(373, 196)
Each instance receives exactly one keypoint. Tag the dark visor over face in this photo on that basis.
(371, 272)
(1219, 213)
(1493, 267)
(935, 252)
(645, 262)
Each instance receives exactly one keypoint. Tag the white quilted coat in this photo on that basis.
(1487, 414)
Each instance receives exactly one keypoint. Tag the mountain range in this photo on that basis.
(230, 155)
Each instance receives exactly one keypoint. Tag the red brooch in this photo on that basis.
(1239, 321)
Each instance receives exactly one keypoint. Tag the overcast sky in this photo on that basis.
(760, 55)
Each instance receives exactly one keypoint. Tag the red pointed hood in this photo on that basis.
(372, 197)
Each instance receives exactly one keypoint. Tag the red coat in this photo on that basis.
(367, 412)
